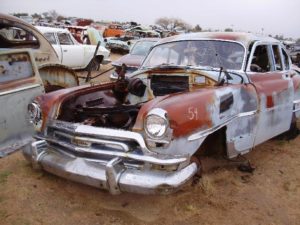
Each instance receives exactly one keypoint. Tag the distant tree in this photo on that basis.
(53, 14)
(298, 41)
(228, 30)
(45, 14)
(163, 22)
(60, 18)
(36, 16)
(197, 28)
(172, 23)
(279, 37)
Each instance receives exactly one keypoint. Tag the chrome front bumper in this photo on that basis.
(112, 175)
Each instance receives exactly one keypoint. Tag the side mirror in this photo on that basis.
(105, 40)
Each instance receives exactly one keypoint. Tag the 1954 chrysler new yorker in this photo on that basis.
(194, 93)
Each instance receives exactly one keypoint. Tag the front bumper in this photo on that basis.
(112, 175)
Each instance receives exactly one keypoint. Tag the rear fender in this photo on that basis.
(57, 76)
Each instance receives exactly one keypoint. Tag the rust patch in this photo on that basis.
(17, 83)
(53, 100)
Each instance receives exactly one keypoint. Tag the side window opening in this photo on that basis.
(16, 37)
(286, 60)
(277, 58)
(51, 38)
(261, 60)
(64, 39)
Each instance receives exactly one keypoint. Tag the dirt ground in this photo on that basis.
(270, 195)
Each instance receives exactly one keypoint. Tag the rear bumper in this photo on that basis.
(112, 175)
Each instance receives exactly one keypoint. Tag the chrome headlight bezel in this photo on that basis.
(35, 114)
(158, 116)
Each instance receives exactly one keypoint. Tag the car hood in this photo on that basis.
(129, 60)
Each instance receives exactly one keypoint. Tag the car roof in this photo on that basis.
(51, 29)
(149, 39)
(244, 38)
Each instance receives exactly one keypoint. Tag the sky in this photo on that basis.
(273, 17)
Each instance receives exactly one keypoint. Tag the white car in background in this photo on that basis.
(71, 53)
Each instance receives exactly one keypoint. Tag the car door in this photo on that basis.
(19, 84)
(72, 53)
(275, 90)
(50, 36)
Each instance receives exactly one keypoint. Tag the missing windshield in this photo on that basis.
(198, 53)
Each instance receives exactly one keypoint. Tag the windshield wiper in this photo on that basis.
(227, 75)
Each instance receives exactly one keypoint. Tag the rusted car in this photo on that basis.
(20, 83)
(113, 30)
(134, 59)
(195, 94)
(17, 34)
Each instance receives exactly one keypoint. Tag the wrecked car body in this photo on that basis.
(135, 57)
(194, 94)
(20, 83)
(73, 54)
(17, 34)
(117, 45)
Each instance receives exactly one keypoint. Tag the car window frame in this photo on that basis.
(26, 43)
(270, 52)
(280, 55)
(244, 61)
(69, 35)
(55, 37)
(288, 58)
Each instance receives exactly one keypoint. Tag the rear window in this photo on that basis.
(16, 37)
(15, 66)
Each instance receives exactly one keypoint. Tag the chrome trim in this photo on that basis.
(154, 158)
(160, 113)
(19, 89)
(106, 132)
(113, 173)
(211, 130)
(74, 139)
(296, 101)
(112, 176)
(296, 110)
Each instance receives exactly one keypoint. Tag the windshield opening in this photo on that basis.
(142, 48)
(200, 53)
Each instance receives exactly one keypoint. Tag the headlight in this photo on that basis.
(156, 123)
(34, 112)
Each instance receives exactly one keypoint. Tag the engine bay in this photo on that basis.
(119, 106)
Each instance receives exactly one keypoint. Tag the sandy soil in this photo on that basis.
(269, 195)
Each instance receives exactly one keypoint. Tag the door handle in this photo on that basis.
(65, 50)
